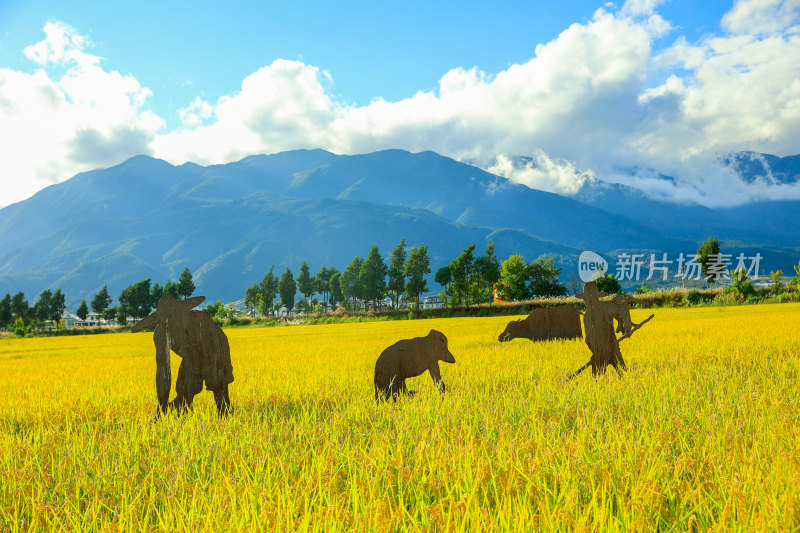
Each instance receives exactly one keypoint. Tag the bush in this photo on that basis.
(19, 332)
(741, 285)
(786, 297)
(644, 289)
(693, 297)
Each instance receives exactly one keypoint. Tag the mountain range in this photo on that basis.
(146, 218)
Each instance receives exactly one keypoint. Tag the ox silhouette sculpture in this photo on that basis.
(409, 358)
(202, 346)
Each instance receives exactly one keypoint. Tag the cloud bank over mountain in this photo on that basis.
(623, 97)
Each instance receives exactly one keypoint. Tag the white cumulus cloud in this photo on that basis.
(52, 127)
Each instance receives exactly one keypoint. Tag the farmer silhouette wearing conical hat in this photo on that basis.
(202, 346)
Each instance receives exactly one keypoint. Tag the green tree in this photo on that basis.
(544, 279)
(323, 283)
(444, 277)
(252, 298)
(172, 289)
(305, 283)
(215, 310)
(185, 284)
(397, 273)
(373, 276)
(796, 279)
(136, 299)
(514, 278)
(776, 280)
(43, 307)
(417, 266)
(707, 253)
(487, 273)
(58, 306)
(608, 284)
(267, 289)
(337, 295)
(109, 313)
(5, 312)
(19, 307)
(156, 292)
(122, 315)
(287, 290)
(463, 269)
(83, 310)
(352, 287)
(101, 300)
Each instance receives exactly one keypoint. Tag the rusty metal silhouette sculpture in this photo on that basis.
(600, 335)
(202, 346)
(409, 358)
(546, 323)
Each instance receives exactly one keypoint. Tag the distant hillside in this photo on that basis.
(753, 165)
(230, 223)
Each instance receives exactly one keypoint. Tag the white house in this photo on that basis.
(71, 321)
(93, 320)
(431, 302)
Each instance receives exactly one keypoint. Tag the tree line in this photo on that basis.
(364, 280)
(471, 279)
(15, 311)
(139, 299)
(467, 279)
(136, 300)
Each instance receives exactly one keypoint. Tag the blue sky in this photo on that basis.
(588, 90)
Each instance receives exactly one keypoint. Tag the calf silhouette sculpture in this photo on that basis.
(202, 346)
(600, 335)
(409, 358)
(619, 309)
(546, 323)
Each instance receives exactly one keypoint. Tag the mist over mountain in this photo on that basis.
(230, 223)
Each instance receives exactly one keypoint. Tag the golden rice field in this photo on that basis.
(702, 433)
